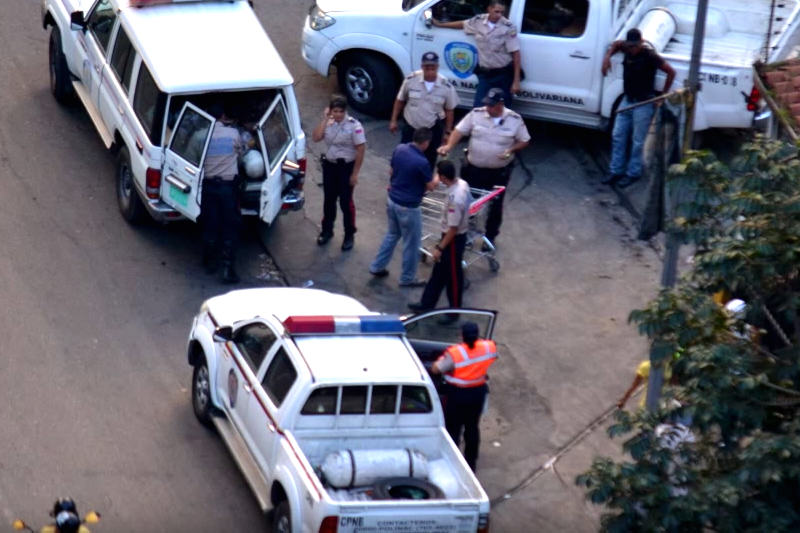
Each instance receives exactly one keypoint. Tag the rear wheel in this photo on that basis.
(201, 394)
(282, 519)
(130, 205)
(60, 83)
(369, 82)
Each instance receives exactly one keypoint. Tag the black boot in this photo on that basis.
(229, 274)
(210, 258)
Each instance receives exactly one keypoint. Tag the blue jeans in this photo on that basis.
(502, 78)
(638, 120)
(405, 222)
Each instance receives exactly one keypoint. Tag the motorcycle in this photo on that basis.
(67, 519)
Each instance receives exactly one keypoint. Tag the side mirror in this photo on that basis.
(92, 517)
(291, 168)
(427, 15)
(76, 21)
(223, 334)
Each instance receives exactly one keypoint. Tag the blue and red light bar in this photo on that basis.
(344, 325)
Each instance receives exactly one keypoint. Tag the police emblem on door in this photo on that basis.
(461, 58)
(233, 388)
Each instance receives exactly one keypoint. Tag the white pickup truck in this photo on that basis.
(374, 44)
(149, 71)
(331, 415)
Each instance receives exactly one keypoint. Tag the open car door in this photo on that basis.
(276, 137)
(431, 332)
(183, 161)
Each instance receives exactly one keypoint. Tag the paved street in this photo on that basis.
(95, 314)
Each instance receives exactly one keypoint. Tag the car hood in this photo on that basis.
(360, 6)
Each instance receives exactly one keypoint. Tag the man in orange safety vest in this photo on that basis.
(464, 368)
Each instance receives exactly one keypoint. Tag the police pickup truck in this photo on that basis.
(563, 42)
(148, 72)
(330, 413)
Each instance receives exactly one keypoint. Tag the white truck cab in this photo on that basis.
(331, 415)
(563, 42)
(148, 71)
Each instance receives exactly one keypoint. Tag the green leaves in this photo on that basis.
(736, 378)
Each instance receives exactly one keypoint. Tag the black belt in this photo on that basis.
(337, 161)
(483, 71)
(219, 179)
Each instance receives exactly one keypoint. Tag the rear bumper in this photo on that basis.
(764, 121)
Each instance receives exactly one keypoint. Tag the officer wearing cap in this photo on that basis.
(464, 367)
(496, 134)
(498, 50)
(341, 164)
(427, 100)
(639, 75)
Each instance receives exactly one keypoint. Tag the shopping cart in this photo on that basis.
(478, 246)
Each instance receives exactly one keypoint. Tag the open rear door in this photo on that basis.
(276, 137)
(183, 161)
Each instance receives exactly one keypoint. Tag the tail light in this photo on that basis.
(302, 164)
(152, 183)
(753, 99)
(483, 523)
(330, 524)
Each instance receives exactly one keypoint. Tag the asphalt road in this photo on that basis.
(95, 313)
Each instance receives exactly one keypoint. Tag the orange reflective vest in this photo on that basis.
(471, 365)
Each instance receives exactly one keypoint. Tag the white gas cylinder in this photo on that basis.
(658, 26)
(355, 468)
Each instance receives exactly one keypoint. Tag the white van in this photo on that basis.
(147, 71)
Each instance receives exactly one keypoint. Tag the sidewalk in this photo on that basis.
(570, 272)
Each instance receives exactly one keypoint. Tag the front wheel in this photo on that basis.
(130, 205)
(369, 82)
(60, 83)
(201, 394)
(282, 522)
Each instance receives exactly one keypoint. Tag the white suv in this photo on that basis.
(147, 71)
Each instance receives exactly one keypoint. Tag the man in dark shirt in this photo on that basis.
(411, 178)
(639, 75)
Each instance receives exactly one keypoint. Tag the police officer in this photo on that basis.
(464, 367)
(496, 133)
(341, 164)
(449, 251)
(498, 50)
(219, 200)
(427, 100)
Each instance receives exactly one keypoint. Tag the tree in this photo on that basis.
(740, 470)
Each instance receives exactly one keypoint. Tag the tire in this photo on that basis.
(370, 84)
(282, 518)
(60, 83)
(201, 394)
(406, 488)
(130, 205)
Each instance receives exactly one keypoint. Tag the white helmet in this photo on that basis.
(736, 308)
(253, 163)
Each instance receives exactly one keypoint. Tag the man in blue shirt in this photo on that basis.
(411, 178)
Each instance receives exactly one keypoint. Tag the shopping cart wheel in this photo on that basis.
(494, 265)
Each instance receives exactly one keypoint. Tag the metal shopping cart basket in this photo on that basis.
(478, 246)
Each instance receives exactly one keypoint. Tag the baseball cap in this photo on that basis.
(494, 96)
(430, 58)
(634, 36)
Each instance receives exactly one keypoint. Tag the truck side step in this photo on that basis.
(94, 113)
(247, 465)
